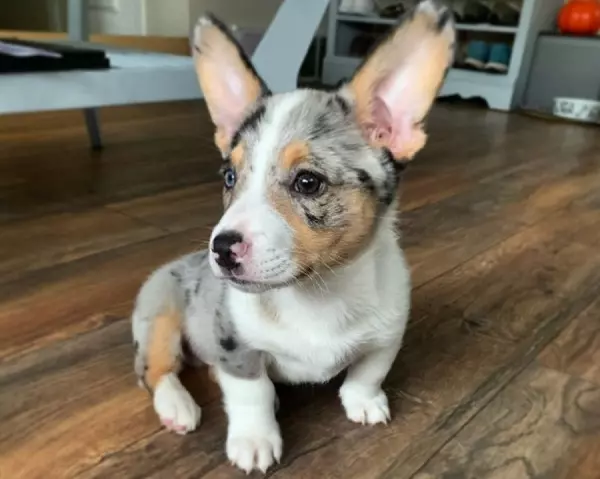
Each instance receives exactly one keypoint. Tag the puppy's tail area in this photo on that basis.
(157, 324)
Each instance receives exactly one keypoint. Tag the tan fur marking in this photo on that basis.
(237, 156)
(293, 154)
(221, 140)
(162, 357)
(321, 249)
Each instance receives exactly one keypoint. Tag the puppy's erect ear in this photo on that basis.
(229, 82)
(397, 84)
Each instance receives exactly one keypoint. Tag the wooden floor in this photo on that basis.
(500, 374)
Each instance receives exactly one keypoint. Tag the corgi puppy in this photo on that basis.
(303, 277)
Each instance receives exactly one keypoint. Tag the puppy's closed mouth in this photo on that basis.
(257, 286)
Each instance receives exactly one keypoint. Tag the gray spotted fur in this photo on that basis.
(200, 297)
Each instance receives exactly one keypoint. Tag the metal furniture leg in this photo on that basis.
(93, 128)
(78, 28)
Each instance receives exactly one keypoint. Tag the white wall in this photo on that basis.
(252, 14)
(169, 18)
(177, 17)
(113, 17)
(117, 17)
(142, 17)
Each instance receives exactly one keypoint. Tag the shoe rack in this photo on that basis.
(500, 91)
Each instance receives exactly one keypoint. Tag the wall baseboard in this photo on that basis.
(173, 45)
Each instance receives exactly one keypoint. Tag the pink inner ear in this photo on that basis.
(394, 129)
(381, 129)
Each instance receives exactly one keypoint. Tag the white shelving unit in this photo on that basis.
(501, 92)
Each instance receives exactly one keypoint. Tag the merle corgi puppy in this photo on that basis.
(303, 278)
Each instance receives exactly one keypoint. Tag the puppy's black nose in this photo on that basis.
(222, 247)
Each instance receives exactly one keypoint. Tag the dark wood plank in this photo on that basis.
(67, 408)
(509, 291)
(441, 235)
(23, 123)
(576, 350)
(545, 424)
(39, 243)
(178, 210)
(55, 303)
(475, 143)
(48, 166)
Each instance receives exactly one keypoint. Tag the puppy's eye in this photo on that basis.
(308, 184)
(229, 178)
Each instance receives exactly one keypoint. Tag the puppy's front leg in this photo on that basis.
(253, 438)
(362, 397)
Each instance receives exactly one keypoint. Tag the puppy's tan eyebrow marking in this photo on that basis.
(237, 156)
(221, 140)
(293, 154)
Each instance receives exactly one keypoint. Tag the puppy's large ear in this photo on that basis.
(397, 84)
(229, 82)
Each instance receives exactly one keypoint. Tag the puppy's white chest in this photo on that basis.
(304, 343)
(311, 357)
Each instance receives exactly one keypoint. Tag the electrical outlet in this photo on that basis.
(109, 5)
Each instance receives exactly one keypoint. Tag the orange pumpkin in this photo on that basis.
(580, 17)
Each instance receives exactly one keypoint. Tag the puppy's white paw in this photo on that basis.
(364, 407)
(254, 449)
(174, 405)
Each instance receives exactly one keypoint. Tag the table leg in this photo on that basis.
(78, 28)
(93, 128)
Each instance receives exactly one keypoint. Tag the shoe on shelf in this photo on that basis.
(506, 13)
(358, 7)
(362, 44)
(460, 54)
(457, 7)
(478, 54)
(473, 11)
(499, 58)
(394, 10)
